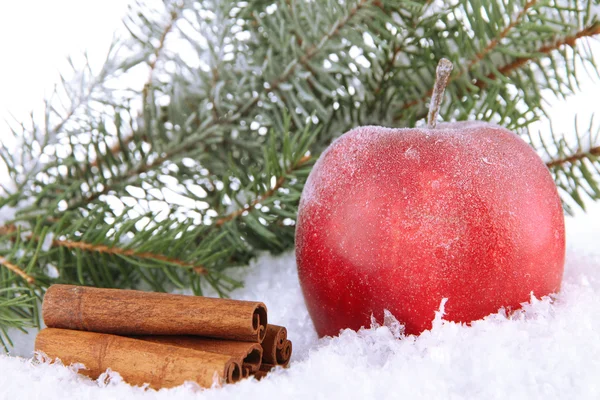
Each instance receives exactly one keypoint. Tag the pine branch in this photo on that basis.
(389, 65)
(309, 53)
(570, 40)
(574, 164)
(495, 41)
(269, 193)
(507, 69)
(18, 310)
(578, 156)
(12, 267)
(114, 150)
(117, 147)
(113, 250)
(489, 48)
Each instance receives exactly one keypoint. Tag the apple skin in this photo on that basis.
(399, 219)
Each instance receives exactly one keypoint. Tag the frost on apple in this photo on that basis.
(398, 219)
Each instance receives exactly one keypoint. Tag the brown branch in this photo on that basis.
(264, 196)
(100, 248)
(157, 51)
(494, 42)
(135, 172)
(7, 229)
(12, 267)
(517, 63)
(594, 151)
(211, 97)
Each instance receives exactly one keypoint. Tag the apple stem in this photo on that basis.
(442, 74)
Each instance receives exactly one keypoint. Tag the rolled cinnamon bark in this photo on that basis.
(283, 361)
(249, 355)
(277, 350)
(132, 312)
(266, 368)
(137, 361)
(284, 356)
(260, 374)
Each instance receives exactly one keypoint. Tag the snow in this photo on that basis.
(551, 349)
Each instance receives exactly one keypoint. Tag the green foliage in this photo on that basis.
(574, 164)
(170, 182)
(17, 310)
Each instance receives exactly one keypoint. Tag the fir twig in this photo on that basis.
(117, 147)
(12, 267)
(570, 40)
(505, 70)
(278, 184)
(578, 156)
(494, 42)
(478, 57)
(243, 110)
(307, 56)
(114, 250)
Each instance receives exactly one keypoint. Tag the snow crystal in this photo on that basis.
(47, 243)
(51, 271)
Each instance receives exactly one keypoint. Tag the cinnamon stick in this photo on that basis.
(249, 355)
(266, 367)
(285, 355)
(260, 374)
(138, 362)
(132, 312)
(284, 361)
(277, 350)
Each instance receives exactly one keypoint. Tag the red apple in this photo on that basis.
(399, 219)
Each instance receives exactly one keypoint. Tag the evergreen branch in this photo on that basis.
(269, 193)
(18, 310)
(114, 150)
(12, 267)
(211, 96)
(389, 65)
(99, 248)
(505, 70)
(494, 42)
(123, 179)
(574, 164)
(158, 50)
(571, 40)
(273, 85)
(127, 252)
(594, 151)
(478, 57)
(117, 147)
(74, 107)
(307, 56)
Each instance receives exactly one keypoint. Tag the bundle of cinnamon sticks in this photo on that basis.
(160, 339)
